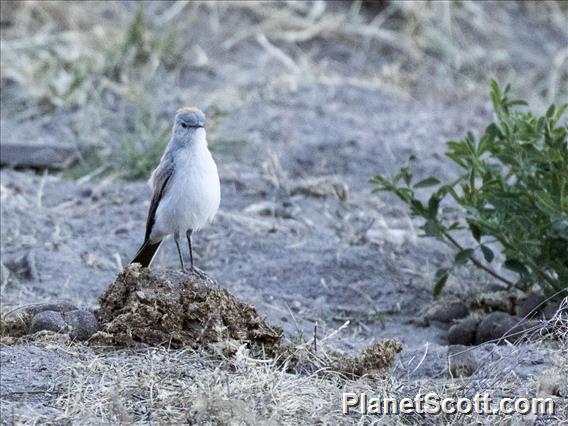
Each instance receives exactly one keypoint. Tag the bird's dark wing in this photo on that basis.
(160, 179)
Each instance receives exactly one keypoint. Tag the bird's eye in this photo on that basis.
(184, 125)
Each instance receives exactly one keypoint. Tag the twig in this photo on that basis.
(277, 53)
(316, 336)
(478, 263)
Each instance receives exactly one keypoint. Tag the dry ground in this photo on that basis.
(305, 104)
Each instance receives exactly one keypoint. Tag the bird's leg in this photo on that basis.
(188, 234)
(176, 239)
(193, 268)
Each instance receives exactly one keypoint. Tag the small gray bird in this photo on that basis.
(186, 188)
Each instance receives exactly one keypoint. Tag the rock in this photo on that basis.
(82, 324)
(19, 322)
(530, 306)
(461, 361)
(550, 310)
(446, 311)
(43, 155)
(86, 192)
(497, 325)
(463, 332)
(552, 382)
(48, 320)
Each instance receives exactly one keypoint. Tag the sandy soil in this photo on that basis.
(299, 234)
(276, 242)
(300, 259)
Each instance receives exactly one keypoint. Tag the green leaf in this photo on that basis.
(431, 181)
(463, 256)
(433, 204)
(455, 226)
(560, 111)
(417, 207)
(442, 275)
(516, 266)
(487, 253)
(475, 230)
(550, 111)
(492, 132)
(405, 175)
(517, 102)
(431, 228)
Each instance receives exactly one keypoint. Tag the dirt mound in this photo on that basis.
(179, 310)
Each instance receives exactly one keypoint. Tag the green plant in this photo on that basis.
(513, 191)
(143, 137)
(140, 49)
(140, 151)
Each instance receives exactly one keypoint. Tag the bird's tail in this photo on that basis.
(146, 253)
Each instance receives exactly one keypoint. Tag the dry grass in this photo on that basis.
(110, 59)
(161, 386)
(68, 53)
(464, 43)
(174, 387)
(157, 385)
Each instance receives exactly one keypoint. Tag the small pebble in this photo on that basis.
(463, 332)
(86, 192)
(530, 306)
(461, 361)
(82, 324)
(496, 325)
(446, 311)
(121, 230)
(48, 320)
(551, 309)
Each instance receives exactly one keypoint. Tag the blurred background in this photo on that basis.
(106, 77)
(305, 102)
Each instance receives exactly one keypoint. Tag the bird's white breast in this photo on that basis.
(193, 195)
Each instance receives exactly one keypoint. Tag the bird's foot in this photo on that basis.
(198, 272)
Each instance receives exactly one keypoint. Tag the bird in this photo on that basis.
(186, 189)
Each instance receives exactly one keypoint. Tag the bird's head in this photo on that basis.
(189, 123)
